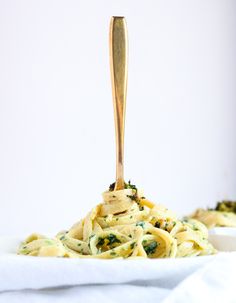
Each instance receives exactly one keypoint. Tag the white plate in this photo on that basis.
(18, 272)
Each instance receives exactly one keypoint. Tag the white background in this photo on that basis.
(57, 151)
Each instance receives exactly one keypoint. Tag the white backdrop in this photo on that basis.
(57, 150)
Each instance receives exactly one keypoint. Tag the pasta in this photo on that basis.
(124, 225)
(212, 218)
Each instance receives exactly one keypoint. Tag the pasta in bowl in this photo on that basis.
(223, 215)
(124, 225)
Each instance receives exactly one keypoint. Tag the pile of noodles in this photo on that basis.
(124, 225)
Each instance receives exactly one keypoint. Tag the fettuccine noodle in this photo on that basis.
(124, 225)
(212, 218)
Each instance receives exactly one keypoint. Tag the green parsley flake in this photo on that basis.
(132, 245)
(150, 248)
(112, 239)
(140, 223)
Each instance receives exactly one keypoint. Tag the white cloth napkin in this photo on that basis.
(203, 279)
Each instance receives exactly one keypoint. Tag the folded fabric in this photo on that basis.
(213, 282)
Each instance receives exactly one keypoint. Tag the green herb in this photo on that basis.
(62, 238)
(174, 223)
(113, 253)
(112, 186)
(195, 227)
(79, 244)
(166, 225)
(132, 245)
(157, 225)
(131, 186)
(112, 239)
(140, 223)
(131, 217)
(117, 219)
(100, 241)
(150, 248)
(132, 197)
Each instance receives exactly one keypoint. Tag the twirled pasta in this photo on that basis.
(125, 225)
